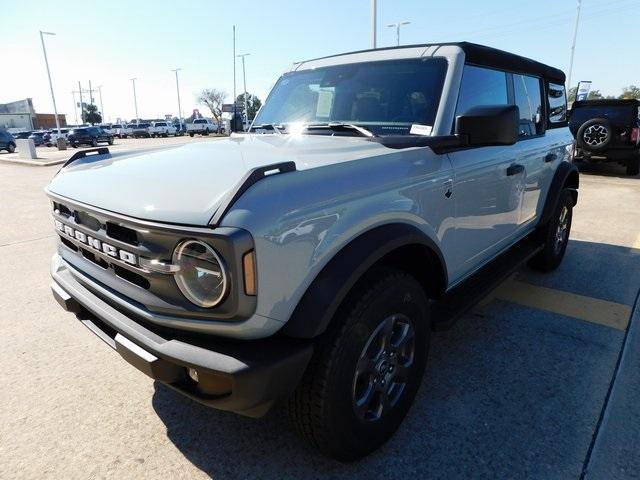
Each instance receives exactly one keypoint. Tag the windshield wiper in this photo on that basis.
(342, 126)
(267, 126)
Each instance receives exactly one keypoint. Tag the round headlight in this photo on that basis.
(202, 277)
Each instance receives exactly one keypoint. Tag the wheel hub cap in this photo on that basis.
(382, 371)
(563, 229)
(595, 135)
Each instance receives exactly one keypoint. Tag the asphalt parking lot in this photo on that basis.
(516, 389)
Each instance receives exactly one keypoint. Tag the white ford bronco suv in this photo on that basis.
(378, 195)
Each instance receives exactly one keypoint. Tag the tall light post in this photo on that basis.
(573, 46)
(176, 70)
(75, 106)
(81, 103)
(244, 79)
(135, 99)
(397, 26)
(53, 97)
(374, 23)
(99, 87)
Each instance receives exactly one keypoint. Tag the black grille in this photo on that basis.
(123, 234)
(132, 277)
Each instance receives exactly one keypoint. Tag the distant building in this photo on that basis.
(21, 115)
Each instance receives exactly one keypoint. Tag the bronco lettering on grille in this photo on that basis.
(96, 244)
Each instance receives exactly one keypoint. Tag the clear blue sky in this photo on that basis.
(110, 41)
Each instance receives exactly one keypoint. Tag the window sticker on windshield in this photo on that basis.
(419, 129)
(325, 102)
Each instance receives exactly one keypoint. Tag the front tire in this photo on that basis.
(94, 143)
(367, 368)
(11, 148)
(555, 235)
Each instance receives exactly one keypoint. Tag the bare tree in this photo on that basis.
(213, 98)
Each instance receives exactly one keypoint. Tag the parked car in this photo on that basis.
(89, 136)
(117, 130)
(202, 126)
(388, 191)
(22, 135)
(141, 130)
(607, 131)
(127, 130)
(7, 141)
(40, 137)
(181, 129)
(162, 129)
(53, 136)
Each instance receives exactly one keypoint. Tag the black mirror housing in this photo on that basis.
(489, 125)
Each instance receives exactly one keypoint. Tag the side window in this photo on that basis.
(557, 99)
(528, 98)
(481, 86)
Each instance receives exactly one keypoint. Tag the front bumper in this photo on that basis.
(246, 377)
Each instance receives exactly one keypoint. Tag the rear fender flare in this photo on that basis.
(566, 177)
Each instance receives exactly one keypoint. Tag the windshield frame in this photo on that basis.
(377, 127)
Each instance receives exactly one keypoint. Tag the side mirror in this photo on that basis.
(489, 125)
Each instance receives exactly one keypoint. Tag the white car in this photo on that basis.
(117, 130)
(202, 126)
(53, 139)
(162, 129)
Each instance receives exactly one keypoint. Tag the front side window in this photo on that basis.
(481, 86)
(557, 99)
(528, 98)
(385, 97)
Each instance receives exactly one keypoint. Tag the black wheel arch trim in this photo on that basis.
(329, 289)
(566, 176)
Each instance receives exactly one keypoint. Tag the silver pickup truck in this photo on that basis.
(379, 195)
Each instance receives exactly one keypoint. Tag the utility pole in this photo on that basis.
(99, 87)
(81, 103)
(397, 26)
(374, 23)
(46, 62)
(90, 93)
(573, 46)
(244, 79)
(135, 100)
(234, 81)
(176, 70)
(75, 106)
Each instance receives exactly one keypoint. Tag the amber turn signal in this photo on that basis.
(249, 266)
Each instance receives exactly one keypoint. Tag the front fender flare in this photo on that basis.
(326, 293)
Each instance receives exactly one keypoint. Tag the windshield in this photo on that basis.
(200, 121)
(386, 97)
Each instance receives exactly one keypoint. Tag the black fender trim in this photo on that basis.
(328, 290)
(566, 176)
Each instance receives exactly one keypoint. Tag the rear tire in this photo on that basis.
(94, 143)
(11, 148)
(375, 349)
(191, 135)
(555, 235)
(633, 166)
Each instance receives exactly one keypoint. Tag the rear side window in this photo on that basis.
(557, 99)
(481, 86)
(200, 121)
(528, 98)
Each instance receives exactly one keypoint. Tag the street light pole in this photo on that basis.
(135, 99)
(176, 70)
(75, 106)
(53, 97)
(573, 46)
(234, 80)
(244, 79)
(374, 23)
(81, 104)
(397, 26)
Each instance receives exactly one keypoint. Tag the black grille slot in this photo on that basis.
(87, 220)
(92, 258)
(123, 234)
(69, 244)
(62, 209)
(132, 277)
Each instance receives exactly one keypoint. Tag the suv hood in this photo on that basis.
(186, 184)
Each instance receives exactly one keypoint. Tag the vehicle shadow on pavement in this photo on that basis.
(510, 392)
(604, 170)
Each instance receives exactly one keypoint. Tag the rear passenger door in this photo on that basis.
(487, 192)
(532, 147)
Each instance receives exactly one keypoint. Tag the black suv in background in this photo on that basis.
(89, 136)
(607, 131)
(7, 141)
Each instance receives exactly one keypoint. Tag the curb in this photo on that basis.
(614, 452)
(35, 163)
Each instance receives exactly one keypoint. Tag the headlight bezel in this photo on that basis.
(182, 284)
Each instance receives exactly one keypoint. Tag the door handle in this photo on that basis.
(550, 157)
(515, 169)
